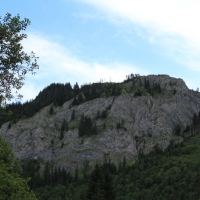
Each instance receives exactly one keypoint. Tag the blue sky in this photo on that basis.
(87, 40)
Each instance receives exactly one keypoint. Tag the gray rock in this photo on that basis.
(145, 120)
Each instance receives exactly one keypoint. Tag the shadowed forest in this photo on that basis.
(170, 174)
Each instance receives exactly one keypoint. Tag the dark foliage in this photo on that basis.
(138, 93)
(64, 127)
(86, 127)
(57, 94)
(15, 63)
(177, 130)
(172, 174)
(73, 115)
(51, 110)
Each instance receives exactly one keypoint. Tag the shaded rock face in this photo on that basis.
(144, 122)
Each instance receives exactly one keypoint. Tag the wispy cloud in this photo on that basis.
(173, 24)
(57, 64)
(172, 16)
(87, 16)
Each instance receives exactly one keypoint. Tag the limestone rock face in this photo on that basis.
(144, 122)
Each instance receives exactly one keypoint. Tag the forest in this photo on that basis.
(170, 174)
(58, 94)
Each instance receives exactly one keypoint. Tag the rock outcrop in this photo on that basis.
(132, 124)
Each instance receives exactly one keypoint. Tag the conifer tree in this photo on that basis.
(51, 110)
(95, 188)
(94, 129)
(124, 162)
(73, 115)
(76, 89)
(76, 176)
(109, 193)
(81, 126)
(198, 118)
(64, 127)
(195, 120)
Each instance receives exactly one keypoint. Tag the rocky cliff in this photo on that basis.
(132, 123)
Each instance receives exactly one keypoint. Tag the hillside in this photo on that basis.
(170, 174)
(69, 126)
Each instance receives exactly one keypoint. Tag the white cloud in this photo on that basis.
(172, 16)
(58, 65)
(29, 91)
(171, 23)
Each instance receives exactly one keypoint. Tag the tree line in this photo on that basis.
(58, 94)
(170, 174)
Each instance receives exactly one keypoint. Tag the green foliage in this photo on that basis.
(142, 86)
(95, 189)
(100, 185)
(187, 129)
(76, 176)
(58, 94)
(138, 92)
(177, 129)
(172, 174)
(14, 62)
(76, 89)
(12, 185)
(195, 120)
(124, 162)
(51, 110)
(9, 125)
(5, 115)
(86, 127)
(168, 175)
(103, 114)
(73, 115)
(118, 126)
(14, 65)
(64, 127)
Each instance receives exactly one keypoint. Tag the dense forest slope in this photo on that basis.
(67, 126)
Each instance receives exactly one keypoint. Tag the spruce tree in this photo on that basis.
(64, 127)
(195, 120)
(109, 193)
(76, 176)
(95, 188)
(73, 115)
(51, 110)
(81, 126)
(124, 162)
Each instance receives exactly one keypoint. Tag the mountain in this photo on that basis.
(103, 121)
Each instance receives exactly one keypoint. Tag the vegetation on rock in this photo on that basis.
(12, 185)
(170, 174)
(60, 93)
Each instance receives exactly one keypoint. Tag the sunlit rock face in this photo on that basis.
(132, 124)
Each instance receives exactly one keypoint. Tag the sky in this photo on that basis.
(86, 41)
